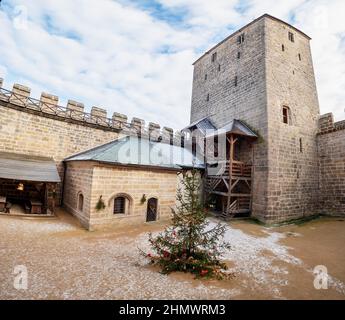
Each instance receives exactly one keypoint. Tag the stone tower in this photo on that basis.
(263, 75)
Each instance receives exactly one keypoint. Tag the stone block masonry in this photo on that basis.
(331, 148)
(93, 180)
(254, 75)
(43, 128)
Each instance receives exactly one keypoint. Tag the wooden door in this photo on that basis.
(151, 214)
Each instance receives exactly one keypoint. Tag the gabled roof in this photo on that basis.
(236, 127)
(203, 125)
(27, 168)
(134, 151)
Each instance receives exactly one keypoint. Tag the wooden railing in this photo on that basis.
(239, 169)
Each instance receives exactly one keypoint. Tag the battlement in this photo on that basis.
(48, 106)
(327, 124)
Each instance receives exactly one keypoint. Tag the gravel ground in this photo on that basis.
(66, 262)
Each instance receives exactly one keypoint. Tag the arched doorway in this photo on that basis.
(151, 214)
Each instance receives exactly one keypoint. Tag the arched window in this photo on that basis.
(286, 115)
(80, 202)
(122, 204)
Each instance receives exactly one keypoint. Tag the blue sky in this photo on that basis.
(135, 56)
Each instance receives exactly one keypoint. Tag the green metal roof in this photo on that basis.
(132, 150)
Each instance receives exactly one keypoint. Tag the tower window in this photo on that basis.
(286, 115)
(300, 145)
(291, 37)
(215, 150)
(299, 57)
(219, 67)
(283, 47)
(238, 55)
(194, 146)
(235, 81)
(240, 38)
(205, 76)
(208, 97)
(214, 57)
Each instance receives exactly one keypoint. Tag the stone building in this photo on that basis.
(263, 76)
(255, 125)
(135, 178)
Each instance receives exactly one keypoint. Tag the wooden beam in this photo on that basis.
(234, 184)
(225, 194)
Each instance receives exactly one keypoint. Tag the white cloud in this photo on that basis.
(122, 56)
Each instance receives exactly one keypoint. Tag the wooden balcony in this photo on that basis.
(239, 169)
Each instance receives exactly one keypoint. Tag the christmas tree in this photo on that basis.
(191, 244)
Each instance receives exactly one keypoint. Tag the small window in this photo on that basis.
(120, 205)
(205, 76)
(283, 47)
(235, 81)
(291, 37)
(299, 57)
(238, 55)
(214, 57)
(208, 97)
(194, 146)
(286, 115)
(219, 67)
(80, 202)
(300, 145)
(215, 150)
(240, 38)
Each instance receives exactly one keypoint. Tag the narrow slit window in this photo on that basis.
(236, 81)
(283, 47)
(215, 150)
(205, 76)
(214, 57)
(291, 37)
(300, 145)
(238, 55)
(194, 146)
(208, 97)
(299, 57)
(219, 67)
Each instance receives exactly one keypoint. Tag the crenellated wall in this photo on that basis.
(331, 149)
(44, 128)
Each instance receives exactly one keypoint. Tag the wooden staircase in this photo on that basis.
(231, 180)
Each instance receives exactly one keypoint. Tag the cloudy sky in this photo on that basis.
(135, 56)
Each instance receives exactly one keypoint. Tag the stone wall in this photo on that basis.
(331, 147)
(96, 180)
(78, 179)
(233, 87)
(43, 128)
(252, 81)
(292, 150)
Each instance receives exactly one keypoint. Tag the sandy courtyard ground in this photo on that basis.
(66, 262)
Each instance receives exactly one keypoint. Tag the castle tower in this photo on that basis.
(263, 75)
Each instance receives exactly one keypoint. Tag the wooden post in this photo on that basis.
(231, 158)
